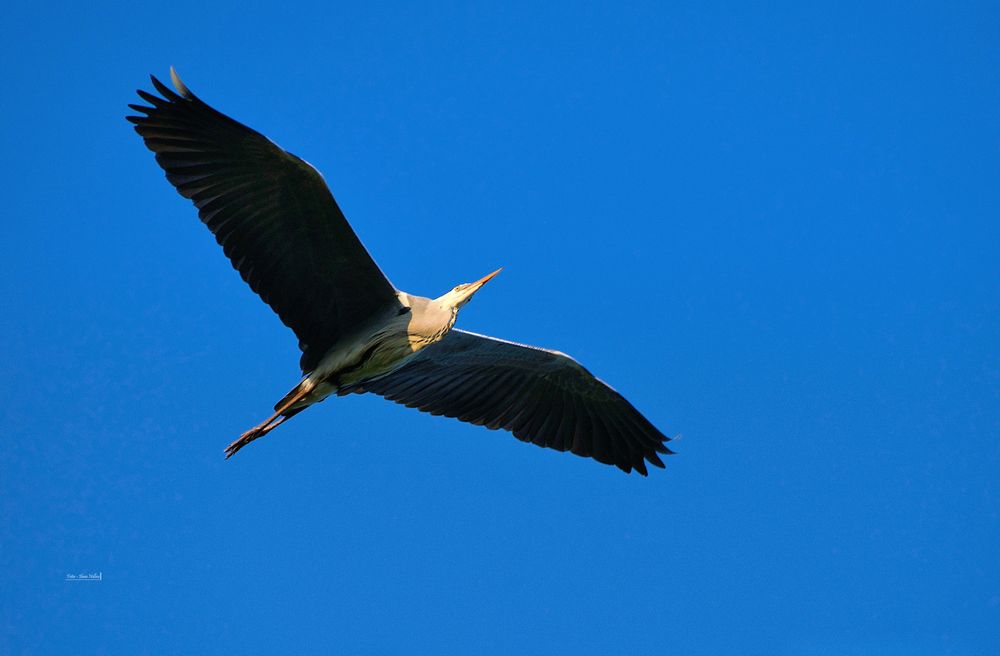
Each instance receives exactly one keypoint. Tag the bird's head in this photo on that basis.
(461, 294)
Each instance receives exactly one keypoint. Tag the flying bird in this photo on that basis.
(281, 228)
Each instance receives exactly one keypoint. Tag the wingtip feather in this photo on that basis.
(165, 91)
(655, 460)
(179, 85)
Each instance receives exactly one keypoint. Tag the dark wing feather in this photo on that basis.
(273, 215)
(544, 397)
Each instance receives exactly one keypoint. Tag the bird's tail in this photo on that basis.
(283, 411)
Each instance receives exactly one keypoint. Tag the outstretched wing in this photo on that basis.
(273, 215)
(544, 397)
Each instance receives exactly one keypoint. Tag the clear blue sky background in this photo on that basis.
(775, 229)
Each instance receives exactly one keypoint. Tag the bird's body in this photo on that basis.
(383, 344)
(278, 223)
(379, 347)
(376, 349)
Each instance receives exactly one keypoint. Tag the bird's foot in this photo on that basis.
(245, 438)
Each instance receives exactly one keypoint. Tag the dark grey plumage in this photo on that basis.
(273, 215)
(281, 228)
(541, 396)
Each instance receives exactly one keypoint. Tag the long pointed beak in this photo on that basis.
(474, 287)
(485, 279)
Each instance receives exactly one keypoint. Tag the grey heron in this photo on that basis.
(281, 228)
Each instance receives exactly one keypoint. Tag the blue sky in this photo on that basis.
(774, 229)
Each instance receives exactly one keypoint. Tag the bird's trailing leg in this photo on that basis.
(259, 430)
(282, 412)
